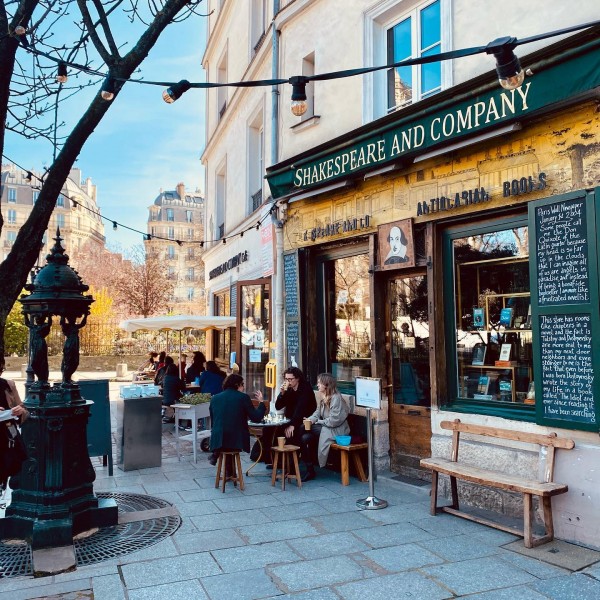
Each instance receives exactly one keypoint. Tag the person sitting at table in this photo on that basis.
(160, 361)
(173, 388)
(196, 368)
(182, 366)
(160, 375)
(329, 419)
(211, 380)
(230, 412)
(297, 398)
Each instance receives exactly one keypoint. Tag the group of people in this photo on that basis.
(231, 410)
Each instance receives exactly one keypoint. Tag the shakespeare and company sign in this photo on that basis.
(411, 136)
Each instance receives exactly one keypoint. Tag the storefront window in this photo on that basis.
(254, 331)
(493, 350)
(222, 339)
(349, 322)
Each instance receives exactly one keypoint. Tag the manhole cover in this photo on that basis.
(106, 543)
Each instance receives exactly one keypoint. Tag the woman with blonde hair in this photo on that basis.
(330, 419)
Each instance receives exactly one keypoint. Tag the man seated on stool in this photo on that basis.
(229, 414)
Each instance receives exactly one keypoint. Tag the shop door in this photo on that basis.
(410, 390)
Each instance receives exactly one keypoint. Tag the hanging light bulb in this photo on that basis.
(107, 91)
(224, 240)
(508, 67)
(299, 104)
(29, 177)
(20, 30)
(201, 244)
(115, 225)
(61, 74)
(175, 91)
(258, 226)
(241, 234)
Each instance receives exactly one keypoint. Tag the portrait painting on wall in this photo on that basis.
(396, 247)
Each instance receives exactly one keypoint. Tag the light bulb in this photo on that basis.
(175, 91)
(299, 107)
(512, 82)
(61, 75)
(107, 92)
(115, 225)
(20, 30)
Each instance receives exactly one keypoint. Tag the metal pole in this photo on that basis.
(371, 502)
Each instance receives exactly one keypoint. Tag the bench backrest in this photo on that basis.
(551, 441)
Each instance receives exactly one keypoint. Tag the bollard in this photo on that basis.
(24, 371)
(122, 370)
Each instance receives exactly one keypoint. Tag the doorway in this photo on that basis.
(408, 360)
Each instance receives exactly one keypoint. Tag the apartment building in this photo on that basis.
(176, 234)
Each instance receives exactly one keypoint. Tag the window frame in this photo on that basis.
(454, 403)
(11, 195)
(377, 21)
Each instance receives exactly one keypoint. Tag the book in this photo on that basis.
(478, 357)
(506, 317)
(527, 324)
(505, 385)
(505, 363)
(505, 352)
(483, 384)
(478, 318)
(483, 397)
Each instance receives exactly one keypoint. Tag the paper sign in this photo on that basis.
(368, 392)
(259, 338)
(232, 358)
(254, 355)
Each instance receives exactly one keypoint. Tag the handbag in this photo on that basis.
(12, 451)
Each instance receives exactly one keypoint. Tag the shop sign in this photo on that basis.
(233, 262)
(396, 247)
(346, 226)
(413, 135)
(513, 187)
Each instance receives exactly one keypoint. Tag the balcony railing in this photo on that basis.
(257, 199)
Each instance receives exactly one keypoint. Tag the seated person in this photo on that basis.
(229, 414)
(196, 368)
(160, 374)
(160, 361)
(211, 380)
(330, 419)
(147, 368)
(173, 388)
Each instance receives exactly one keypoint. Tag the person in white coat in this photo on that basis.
(330, 419)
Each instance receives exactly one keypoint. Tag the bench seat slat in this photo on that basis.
(361, 446)
(496, 479)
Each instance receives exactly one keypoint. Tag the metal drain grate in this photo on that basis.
(106, 543)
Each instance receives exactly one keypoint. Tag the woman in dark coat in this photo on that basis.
(196, 368)
(173, 388)
(211, 380)
(229, 414)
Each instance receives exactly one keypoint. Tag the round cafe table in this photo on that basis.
(266, 430)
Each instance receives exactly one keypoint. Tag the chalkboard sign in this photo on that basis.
(291, 282)
(561, 253)
(565, 310)
(567, 376)
(292, 333)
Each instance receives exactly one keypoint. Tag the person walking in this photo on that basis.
(230, 412)
(329, 419)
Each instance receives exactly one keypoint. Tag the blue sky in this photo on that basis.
(142, 144)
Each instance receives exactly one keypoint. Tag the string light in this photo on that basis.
(115, 225)
(176, 91)
(107, 91)
(61, 74)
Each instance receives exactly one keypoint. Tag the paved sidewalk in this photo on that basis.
(311, 543)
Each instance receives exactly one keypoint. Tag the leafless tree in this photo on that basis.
(143, 286)
(32, 32)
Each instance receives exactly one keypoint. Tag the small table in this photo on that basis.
(260, 430)
(191, 412)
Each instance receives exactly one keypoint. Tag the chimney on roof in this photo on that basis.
(181, 190)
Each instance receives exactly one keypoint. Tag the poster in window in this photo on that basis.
(396, 246)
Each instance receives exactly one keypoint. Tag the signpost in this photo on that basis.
(368, 395)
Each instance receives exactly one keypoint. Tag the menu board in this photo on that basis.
(562, 253)
(233, 301)
(291, 281)
(567, 385)
(292, 337)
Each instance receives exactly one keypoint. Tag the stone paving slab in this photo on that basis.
(331, 544)
(247, 585)
(346, 521)
(189, 543)
(108, 587)
(300, 511)
(320, 594)
(559, 553)
(459, 547)
(210, 521)
(284, 530)
(247, 558)
(183, 590)
(393, 535)
(520, 592)
(44, 591)
(401, 558)
(573, 587)
(323, 572)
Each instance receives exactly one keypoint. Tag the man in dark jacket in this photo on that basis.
(229, 414)
(298, 399)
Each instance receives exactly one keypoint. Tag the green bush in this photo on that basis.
(196, 399)
(16, 332)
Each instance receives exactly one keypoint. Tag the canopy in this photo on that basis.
(178, 323)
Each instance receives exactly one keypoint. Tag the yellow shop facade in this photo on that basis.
(450, 249)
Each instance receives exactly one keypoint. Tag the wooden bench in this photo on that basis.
(544, 489)
(345, 453)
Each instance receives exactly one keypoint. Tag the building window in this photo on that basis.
(222, 339)
(308, 68)
(256, 162)
(171, 273)
(190, 293)
(397, 34)
(189, 218)
(190, 234)
(258, 24)
(222, 91)
(11, 237)
(191, 276)
(34, 196)
(12, 194)
(60, 220)
(490, 341)
(170, 252)
(220, 205)
(170, 214)
(171, 233)
(190, 253)
(60, 201)
(11, 216)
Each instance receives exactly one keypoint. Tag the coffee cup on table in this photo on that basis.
(281, 442)
(307, 424)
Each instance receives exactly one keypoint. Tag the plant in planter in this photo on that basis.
(196, 398)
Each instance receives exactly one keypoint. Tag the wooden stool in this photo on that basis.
(285, 452)
(229, 459)
(353, 450)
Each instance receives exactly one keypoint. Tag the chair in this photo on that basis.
(229, 468)
(287, 452)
